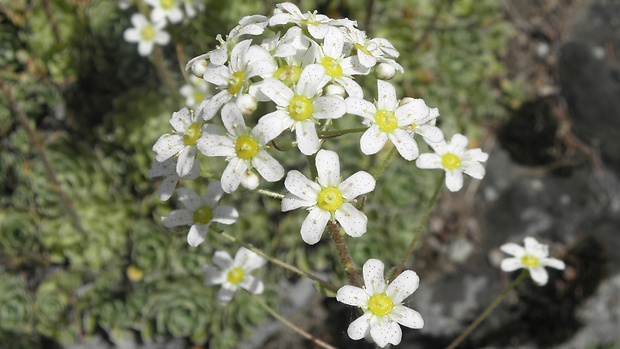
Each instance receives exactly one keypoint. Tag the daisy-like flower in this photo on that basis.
(317, 24)
(329, 199)
(301, 106)
(389, 121)
(232, 274)
(369, 50)
(199, 212)
(188, 130)
(338, 68)
(455, 159)
(243, 148)
(196, 91)
(168, 170)
(146, 33)
(382, 305)
(165, 9)
(246, 62)
(534, 257)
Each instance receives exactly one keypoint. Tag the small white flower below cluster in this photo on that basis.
(146, 33)
(234, 273)
(534, 257)
(382, 305)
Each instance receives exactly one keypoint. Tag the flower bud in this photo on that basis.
(384, 71)
(335, 90)
(247, 104)
(250, 180)
(199, 68)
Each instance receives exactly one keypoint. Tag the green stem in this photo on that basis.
(276, 261)
(270, 193)
(163, 73)
(345, 256)
(420, 226)
(290, 325)
(377, 172)
(338, 133)
(488, 310)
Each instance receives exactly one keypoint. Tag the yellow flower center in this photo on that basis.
(332, 67)
(380, 304)
(386, 120)
(203, 215)
(246, 147)
(147, 33)
(236, 82)
(530, 261)
(166, 4)
(235, 276)
(329, 199)
(450, 161)
(288, 74)
(300, 108)
(363, 49)
(192, 134)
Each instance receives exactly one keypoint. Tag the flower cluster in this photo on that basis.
(282, 83)
(150, 31)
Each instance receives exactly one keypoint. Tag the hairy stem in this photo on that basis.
(338, 133)
(270, 193)
(420, 226)
(290, 325)
(487, 311)
(377, 172)
(343, 252)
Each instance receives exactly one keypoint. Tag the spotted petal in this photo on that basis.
(313, 226)
(373, 276)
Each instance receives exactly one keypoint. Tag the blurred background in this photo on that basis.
(86, 263)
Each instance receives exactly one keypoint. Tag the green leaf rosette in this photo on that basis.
(15, 305)
(150, 246)
(51, 304)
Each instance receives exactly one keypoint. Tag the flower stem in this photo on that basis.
(42, 153)
(271, 194)
(488, 310)
(420, 226)
(276, 261)
(338, 133)
(345, 255)
(377, 172)
(290, 325)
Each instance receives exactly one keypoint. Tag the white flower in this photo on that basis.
(191, 6)
(188, 130)
(389, 121)
(382, 305)
(200, 212)
(168, 169)
(369, 50)
(163, 9)
(246, 62)
(338, 68)
(534, 257)
(196, 91)
(146, 34)
(317, 24)
(300, 107)
(455, 160)
(232, 274)
(329, 199)
(242, 147)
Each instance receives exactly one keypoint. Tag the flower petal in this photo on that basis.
(223, 260)
(310, 80)
(359, 328)
(233, 120)
(248, 260)
(213, 276)
(213, 194)
(168, 145)
(373, 140)
(279, 93)
(360, 107)
(513, 249)
(268, 167)
(197, 233)
(403, 286)
(329, 107)
(217, 75)
(385, 331)
(408, 113)
(474, 169)
(186, 159)
(300, 186)
(407, 317)
(359, 183)
(167, 186)
(252, 284)
(291, 202)
(405, 144)
(539, 275)
(189, 199)
(313, 226)
(373, 276)
(307, 139)
(177, 218)
(328, 168)
(231, 177)
(386, 96)
(458, 141)
(225, 214)
(214, 143)
(430, 133)
(553, 263)
(511, 264)
(352, 295)
(454, 180)
(352, 220)
(225, 294)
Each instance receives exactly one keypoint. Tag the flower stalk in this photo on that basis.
(352, 271)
